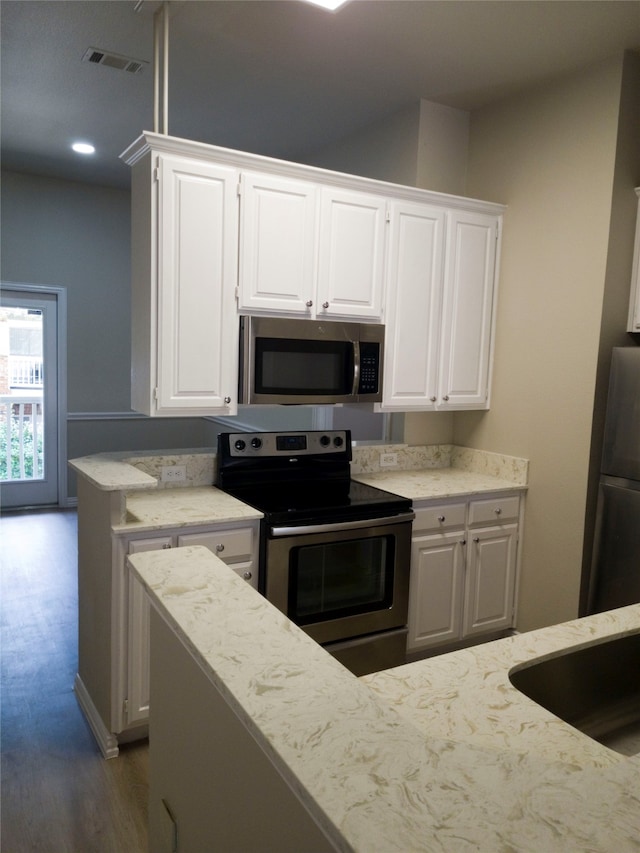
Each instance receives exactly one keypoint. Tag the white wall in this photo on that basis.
(550, 156)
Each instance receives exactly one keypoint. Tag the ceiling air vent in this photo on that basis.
(114, 60)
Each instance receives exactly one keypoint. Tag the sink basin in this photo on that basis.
(595, 689)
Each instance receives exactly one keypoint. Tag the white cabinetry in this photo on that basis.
(278, 242)
(463, 570)
(440, 307)
(236, 547)
(634, 302)
(309, 249)
(184, 273)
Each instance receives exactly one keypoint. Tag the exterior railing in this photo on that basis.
(21, 437)
(25, 371)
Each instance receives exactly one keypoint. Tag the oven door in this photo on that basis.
(343, 580)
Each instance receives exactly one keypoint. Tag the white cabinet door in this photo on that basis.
(351, 254)
(465, 351)
(278, 244)
(197, 358)
(491, 574)
(413, 306)
(634, 301)
(436, 590)
(137, 699)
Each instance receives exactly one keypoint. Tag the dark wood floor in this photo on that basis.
(58, 794)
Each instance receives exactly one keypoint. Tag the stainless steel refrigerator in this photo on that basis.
(615, 571)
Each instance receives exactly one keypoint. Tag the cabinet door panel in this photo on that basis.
(138, 636)
(277, 243)
(491, 579)
(435, 596)
(351, 256)
(197, 272)
(412, 316)
(467, 309)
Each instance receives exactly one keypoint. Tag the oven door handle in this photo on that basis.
(304, 529)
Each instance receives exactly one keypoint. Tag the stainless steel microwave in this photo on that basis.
(290, 360)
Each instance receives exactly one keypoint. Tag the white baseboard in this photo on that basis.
(106, 740)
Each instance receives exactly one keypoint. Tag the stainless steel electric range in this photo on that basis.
(334, 553)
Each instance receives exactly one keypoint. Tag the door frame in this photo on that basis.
(60, 295)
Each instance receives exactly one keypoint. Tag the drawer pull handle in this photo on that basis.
(441, 518)
(498, 511)
(247, 576)
(219, 547)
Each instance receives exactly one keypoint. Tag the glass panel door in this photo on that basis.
(340, 579)
(28, 399)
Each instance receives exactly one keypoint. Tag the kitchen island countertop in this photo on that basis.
(439, 755)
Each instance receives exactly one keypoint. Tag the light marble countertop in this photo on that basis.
(111, 474)
(430, 483)
(182, 508)
(439, 755)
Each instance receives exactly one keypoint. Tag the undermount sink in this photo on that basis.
(595, 689)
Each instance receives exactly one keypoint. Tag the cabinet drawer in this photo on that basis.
(226, 544)
(494, 510)
(248, 572)
(439, 517)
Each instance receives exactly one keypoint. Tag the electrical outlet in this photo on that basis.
(388, 460)
(173, 473)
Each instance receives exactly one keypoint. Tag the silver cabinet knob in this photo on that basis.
(498, 511)
(325, 304)
(219, 547)
(446, 398)
(247, 576)
(433, 399)
(227, 400)
(167, 545)
(476, 539)
(463, 541)
(309, 303)
(441, 518)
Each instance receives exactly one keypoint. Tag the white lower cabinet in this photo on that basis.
(463, 570)
(235, 546)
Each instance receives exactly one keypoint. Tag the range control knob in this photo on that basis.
(338, 441)
(240, 444)
(256, 443)
(325, 441)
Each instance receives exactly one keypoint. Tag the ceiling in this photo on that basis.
(280, 77)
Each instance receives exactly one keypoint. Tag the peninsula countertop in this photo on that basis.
(439, 755)
(142, 502)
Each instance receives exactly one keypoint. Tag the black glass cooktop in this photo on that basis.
(315, 502)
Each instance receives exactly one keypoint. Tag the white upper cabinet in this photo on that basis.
(278, 239)
(414, 304)
(351, 254)
(439, 307)
(216, 233)
(634, 302)
(184, 271)
(310, 250)
(467, 304)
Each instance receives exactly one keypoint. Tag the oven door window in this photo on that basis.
(303, 366)
(337, 579)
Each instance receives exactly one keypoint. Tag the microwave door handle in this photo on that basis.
(356, 368)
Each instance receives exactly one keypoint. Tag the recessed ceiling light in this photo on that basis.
(83, 148)
(331, 5)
